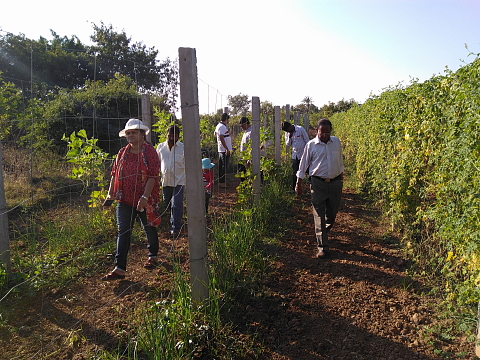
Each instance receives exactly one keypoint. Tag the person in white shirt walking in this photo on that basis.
(297, 138)
(323, 156)
(224, 145)
(246, 139)
(172, 168)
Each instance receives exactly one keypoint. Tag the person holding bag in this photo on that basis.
(135, 186)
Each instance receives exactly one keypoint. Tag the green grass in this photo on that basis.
(176, 329)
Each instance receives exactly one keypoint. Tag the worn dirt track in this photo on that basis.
(358, 304)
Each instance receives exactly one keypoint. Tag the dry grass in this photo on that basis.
(32, 177)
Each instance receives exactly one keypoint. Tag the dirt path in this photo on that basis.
(358, 304)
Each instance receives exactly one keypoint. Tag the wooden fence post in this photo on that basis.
(4, 236)
(277, 135)
(146, 115)
(256, 147)
(197, 226)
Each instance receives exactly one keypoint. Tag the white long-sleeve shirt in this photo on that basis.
(298, 141)
(324, 159)
(172, 164)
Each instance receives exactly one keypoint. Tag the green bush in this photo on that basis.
(416, 151)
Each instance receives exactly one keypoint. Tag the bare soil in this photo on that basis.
(357, 304)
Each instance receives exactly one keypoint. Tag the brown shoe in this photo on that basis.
(150, 263)
(113, 275)
(322, 254)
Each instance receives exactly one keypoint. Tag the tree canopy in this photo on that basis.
(238, 104)
(65, 62)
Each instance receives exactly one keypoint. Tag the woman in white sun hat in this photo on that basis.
(135, 186)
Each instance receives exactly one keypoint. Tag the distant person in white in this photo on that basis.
(246, 139)
(224, 144)
(297, 138)
(323, 156)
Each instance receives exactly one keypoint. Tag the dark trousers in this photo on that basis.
(207, 200)
(223, 162)
(126, 216)
(325, 202)
(295, 166)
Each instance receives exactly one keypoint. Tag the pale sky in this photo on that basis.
(278, 50)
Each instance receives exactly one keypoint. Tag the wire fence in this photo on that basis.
(39, 189)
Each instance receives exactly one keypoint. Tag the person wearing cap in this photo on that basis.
(297, 138)
(134, 184)
(207, 173)
(224, 146)
(246, 139)
(172, 159)
(323, 154)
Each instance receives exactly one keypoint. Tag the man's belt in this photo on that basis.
(328, 179)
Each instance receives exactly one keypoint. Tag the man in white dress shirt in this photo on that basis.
(323, 157)
(296, 137)
(172, 168)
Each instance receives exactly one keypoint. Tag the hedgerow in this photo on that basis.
(415, 149)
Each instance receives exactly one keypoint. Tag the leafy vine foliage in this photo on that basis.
(90, 164)
(416, 151)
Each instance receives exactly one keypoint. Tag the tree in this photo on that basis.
(61, 62)
(64, 62)
(238, 104)
(331, 108)
(116, 54)
(307, 101)
(266, 108)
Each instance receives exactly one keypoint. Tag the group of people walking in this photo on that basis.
(135, 186)
(135, 181)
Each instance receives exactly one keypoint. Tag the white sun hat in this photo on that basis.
(134, 124)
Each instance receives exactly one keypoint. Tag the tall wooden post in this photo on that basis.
(306, 122)
(4, 237)
(146, 115)
(296, 117)
(197, 228)
(277, 135)
(256, 147)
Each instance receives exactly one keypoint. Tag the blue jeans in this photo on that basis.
(173, 198)
(126, 216)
